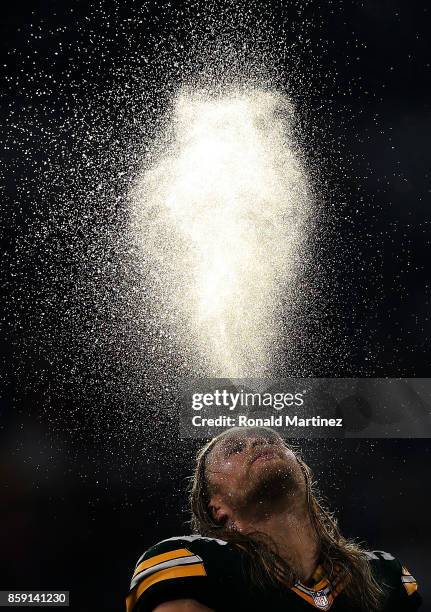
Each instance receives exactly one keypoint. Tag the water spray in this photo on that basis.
(220, 217)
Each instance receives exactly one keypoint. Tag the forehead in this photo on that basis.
(240, 434)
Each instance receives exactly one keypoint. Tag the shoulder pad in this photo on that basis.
(393, 571)
(171, 544)
(379, 555)
(172, 563)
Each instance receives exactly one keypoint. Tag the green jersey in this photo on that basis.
(214, 573)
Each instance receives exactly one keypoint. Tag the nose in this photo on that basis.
(257, 441)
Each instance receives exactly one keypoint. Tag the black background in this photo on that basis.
(79, 507)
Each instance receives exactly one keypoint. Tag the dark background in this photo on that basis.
(83, 493)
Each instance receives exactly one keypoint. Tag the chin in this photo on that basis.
(271, 480)
(275, 470)
(273, 465)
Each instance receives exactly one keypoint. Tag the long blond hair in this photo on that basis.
(338, 556)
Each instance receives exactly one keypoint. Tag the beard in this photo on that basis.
(271, 487)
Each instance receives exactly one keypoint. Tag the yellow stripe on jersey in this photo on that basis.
(410, 587)
(167, 556)
(307, 598)
(408, 581)
(184, 571)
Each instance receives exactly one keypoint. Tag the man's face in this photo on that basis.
(252, 468)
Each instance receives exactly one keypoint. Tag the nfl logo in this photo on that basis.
(321, 600)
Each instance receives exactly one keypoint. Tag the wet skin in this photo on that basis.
(251, 467)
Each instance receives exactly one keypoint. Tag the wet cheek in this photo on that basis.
(228, 474)
(227, 471)
(226, 464)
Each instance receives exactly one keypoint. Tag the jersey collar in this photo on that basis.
(322, 594)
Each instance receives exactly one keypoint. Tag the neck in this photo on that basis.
(294, 535)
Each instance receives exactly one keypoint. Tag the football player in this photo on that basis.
(264, 541)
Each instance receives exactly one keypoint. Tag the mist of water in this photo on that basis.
(221, 217)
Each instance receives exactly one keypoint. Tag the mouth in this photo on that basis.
(265, 454)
